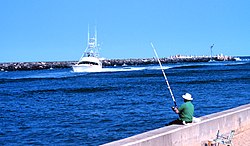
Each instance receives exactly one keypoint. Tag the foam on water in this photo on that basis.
(129, 68)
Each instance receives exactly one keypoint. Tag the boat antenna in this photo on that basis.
(166, 79)
(95, 35)
(88, 35)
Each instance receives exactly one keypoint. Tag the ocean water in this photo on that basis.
(59, 107)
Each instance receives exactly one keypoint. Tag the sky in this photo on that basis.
(56, 30)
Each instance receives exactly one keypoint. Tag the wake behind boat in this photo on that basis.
(89, 62)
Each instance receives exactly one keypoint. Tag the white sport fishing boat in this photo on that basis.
(89, 62)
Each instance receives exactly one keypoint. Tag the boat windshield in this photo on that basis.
(88, 62)
(88, 54)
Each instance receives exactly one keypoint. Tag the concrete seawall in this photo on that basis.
(194, 134)
(107, 62)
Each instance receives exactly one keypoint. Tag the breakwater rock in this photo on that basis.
(13, 66)
(131, 62)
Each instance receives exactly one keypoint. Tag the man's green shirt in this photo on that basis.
(186, 111)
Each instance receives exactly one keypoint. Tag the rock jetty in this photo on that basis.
(13, 66)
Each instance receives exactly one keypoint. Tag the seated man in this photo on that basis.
(185, 112)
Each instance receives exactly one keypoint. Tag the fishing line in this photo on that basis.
(166, 79)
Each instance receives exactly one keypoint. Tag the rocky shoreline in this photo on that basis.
(14, 66)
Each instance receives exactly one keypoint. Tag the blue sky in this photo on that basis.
(56, 30)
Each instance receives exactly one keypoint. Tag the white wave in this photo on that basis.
(122, 69)
(128, 68)
(158, 67)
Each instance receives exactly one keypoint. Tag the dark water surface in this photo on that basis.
(59, 107)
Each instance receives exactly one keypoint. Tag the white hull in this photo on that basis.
(88, 64)
(87, 68)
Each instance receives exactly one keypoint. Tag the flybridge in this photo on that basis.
(92, 46)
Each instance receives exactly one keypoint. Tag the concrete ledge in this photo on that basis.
(192, 134)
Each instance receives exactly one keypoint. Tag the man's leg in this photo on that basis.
(177, 121)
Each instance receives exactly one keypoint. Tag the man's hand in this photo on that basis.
(175, 109)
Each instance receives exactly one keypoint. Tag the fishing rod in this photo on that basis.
(166, 79)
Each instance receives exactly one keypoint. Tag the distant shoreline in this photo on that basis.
(15, 66)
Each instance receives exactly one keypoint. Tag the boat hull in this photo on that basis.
(88, 64)
(87, 68)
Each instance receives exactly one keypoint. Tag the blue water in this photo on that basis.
(59, 107)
